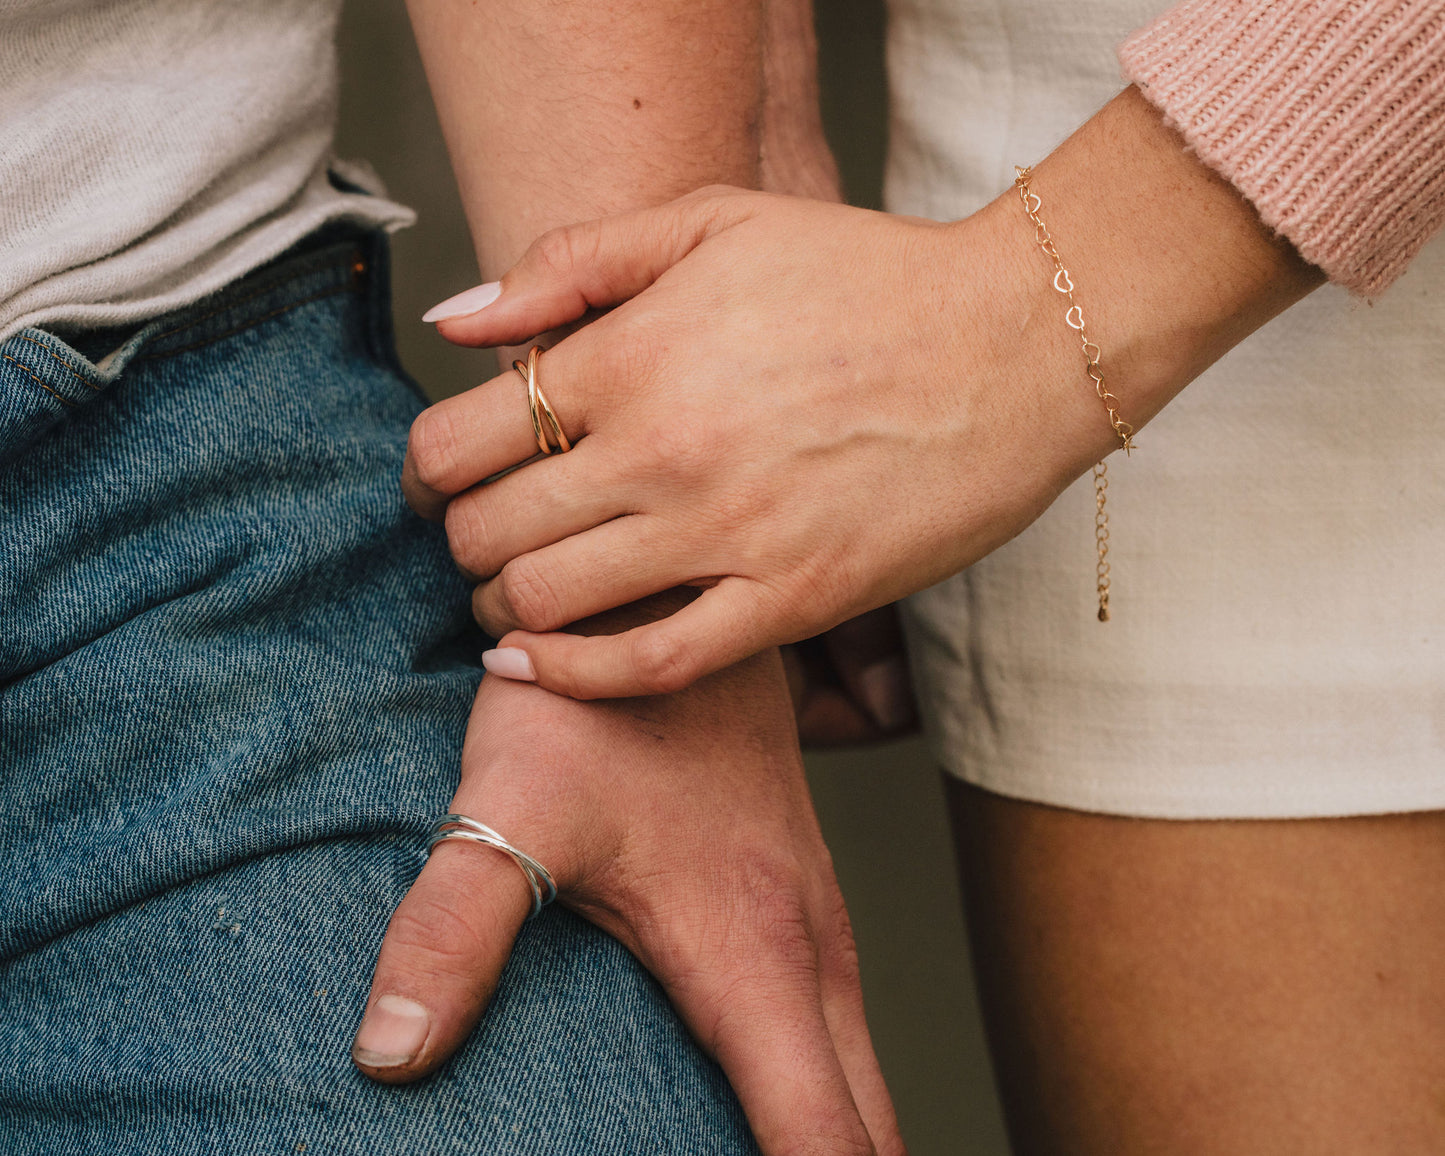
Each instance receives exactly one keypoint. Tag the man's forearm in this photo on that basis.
(795, 154)
(556, 111)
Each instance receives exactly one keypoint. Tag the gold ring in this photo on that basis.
(540, 409)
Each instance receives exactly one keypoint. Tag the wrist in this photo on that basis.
(1171, 268)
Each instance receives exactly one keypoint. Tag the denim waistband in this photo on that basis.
(43, 374)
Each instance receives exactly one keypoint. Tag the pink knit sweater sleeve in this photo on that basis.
(1329, 115)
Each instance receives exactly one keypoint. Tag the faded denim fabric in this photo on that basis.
(234, 675)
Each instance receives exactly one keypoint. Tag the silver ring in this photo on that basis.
(539, 879)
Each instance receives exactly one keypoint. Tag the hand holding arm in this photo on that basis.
(557, 112)
(817, 409)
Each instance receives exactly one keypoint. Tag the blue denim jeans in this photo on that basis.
(234, 675)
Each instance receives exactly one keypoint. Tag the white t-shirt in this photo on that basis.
(153, 151)
(1277, 647)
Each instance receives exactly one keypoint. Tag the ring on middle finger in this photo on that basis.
(541, 411)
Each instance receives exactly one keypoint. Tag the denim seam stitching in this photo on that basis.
(70, 369)
(250, 323)
(26, 371)
(228, 305)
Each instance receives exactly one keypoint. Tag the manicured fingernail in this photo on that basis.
(886, 691)
(392, 1033)
(510, 662)
(472, 301)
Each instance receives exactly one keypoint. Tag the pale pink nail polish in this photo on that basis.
(392, 1033)
(510, 662)
(472, 301)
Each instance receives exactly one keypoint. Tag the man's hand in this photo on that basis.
(683, 827)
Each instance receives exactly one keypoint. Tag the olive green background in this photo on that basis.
(882, 808)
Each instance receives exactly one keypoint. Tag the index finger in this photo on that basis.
(467, 439)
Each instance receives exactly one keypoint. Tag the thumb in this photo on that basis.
(440, 961)
(722, 626)
(593, 265)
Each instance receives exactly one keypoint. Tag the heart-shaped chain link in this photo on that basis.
(1074, 318)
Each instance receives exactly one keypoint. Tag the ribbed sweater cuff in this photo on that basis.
(1329, 115)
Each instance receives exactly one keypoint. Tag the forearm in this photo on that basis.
(1329, 115)
(796, 158)
(1171, 267)
(557, 112)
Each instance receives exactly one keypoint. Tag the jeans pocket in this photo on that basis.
(43, 378)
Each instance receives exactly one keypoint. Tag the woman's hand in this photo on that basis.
(776, 414)
(682, 826)
(813, 410)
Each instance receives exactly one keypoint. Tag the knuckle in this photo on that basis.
(717, 206)
(467, 538)
(435, 935)
(663, 664)
(779, 921)
(432, 446)
(682, 448)
(825, 1130)
(529, 598)
(708, 194)
(563, 250)
(571, 684)
(552, 250)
